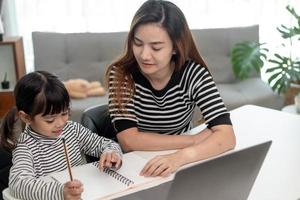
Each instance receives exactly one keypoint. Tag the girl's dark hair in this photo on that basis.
(35, 93)
(171, 18)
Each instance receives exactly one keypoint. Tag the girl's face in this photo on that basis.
(50, 125)
(152, 48)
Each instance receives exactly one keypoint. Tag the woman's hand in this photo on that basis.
(162, 165)
(73, 190)
(110, 160)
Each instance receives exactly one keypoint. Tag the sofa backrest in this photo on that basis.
(85, 55)
(76, 55)
(215, 47)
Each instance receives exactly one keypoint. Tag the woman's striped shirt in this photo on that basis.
(170, 110)
(37, 156)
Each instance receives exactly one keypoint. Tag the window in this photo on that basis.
(116, 15)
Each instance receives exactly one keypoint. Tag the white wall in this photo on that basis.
(116, 15)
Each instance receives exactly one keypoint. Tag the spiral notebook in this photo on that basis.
(99, 185)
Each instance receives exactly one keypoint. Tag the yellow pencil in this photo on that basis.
(67, 158)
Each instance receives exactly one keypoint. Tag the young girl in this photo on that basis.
(42, 102)
(155, 86)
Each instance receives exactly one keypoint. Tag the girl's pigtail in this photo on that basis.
(7, 130)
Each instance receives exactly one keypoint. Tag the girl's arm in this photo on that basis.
(23, 182)
(133, 140)
(220, 140)
(94, 145)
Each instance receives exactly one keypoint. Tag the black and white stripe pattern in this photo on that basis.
(118, 176)
(36, 156)
(170, 110)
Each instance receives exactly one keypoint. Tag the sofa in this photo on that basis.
(86, 55)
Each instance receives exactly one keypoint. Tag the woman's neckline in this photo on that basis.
(158, 85)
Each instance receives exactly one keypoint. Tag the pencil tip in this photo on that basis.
(63, 139)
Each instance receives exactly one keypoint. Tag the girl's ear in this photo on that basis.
(24, 117)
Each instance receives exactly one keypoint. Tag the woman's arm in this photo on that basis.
(133, 140)
(221, 139)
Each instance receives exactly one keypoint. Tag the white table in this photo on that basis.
(279, 177)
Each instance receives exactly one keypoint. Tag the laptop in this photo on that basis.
(228, 177)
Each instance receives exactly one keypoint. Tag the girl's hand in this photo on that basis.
(110, 160)
(73, 190)
(162, 165)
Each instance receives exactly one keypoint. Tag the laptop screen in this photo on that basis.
(226, 177)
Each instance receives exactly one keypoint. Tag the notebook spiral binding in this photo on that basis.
(118, 177)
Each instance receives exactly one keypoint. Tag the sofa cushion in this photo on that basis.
(215, 46)
(76, 55)
(102, 66)
(220, 68)
(250, 91)
(79, 105)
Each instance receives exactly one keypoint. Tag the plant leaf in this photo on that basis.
(247, 57)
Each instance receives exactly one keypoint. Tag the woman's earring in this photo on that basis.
(174, 53)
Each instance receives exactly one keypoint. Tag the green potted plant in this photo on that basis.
(247, 58)
(5, 82)
(283, 70)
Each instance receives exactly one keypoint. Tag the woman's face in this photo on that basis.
(152, 48)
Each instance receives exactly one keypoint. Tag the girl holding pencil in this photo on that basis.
(42, 103)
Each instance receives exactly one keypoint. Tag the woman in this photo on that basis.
(155, 86)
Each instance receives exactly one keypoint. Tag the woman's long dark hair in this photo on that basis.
(171, 18)
(35, 93)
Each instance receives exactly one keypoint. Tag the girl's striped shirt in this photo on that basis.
(37, 156)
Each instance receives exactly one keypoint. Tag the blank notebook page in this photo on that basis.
(99, 184)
